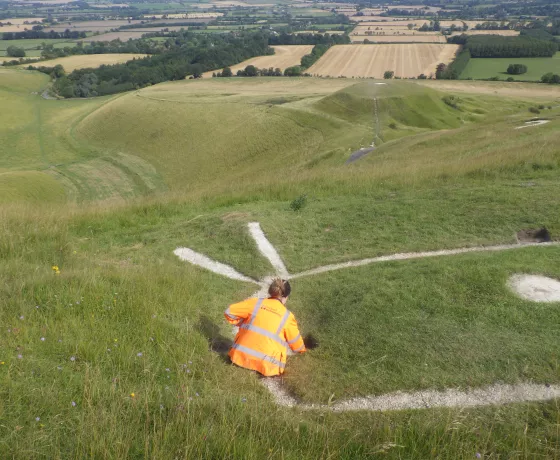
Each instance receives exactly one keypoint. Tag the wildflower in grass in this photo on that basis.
(167, 369)
(478, 455)
(243, 399)
(59, 368)
(36, 306)
(2, 363)
(197, 394)
(22, 317)
(139, 354)
(37, 419)
(116, 340)
(132, 395)
(72, 358)
(73, 404)
(109, 350)
(42, 339)
(20, 356)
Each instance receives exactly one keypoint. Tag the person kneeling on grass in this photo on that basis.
(266, 329)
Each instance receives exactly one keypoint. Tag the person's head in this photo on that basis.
(280, 289)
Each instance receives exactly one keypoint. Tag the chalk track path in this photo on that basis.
(450, 397)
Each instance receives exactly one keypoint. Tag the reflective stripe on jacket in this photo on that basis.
(266, 329)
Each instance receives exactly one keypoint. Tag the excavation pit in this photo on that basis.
(533, 235)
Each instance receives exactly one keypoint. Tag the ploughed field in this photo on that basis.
(371, 61)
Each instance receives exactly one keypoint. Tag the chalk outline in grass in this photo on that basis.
(450, 397)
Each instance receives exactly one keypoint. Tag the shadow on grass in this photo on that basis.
(217, 342)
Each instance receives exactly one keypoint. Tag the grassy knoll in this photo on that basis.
(497, 67)
(110, 357)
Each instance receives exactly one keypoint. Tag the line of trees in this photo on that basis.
(495, 46)
(196, 54)
(40, 34)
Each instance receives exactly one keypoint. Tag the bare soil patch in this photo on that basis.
(533, 235)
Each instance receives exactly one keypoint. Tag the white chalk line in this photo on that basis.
(201, 260)
(418, 255)
(450, 397)
(529, 124)
(491, 395)
(267, 250)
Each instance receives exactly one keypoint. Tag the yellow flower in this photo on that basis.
(132, 395)
(55, 268)
(2, 363)
(116, 340)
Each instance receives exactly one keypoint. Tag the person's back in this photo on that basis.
(266, 329)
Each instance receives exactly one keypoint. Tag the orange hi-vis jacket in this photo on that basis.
(266, 329)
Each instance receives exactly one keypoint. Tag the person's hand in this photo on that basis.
(310, 342)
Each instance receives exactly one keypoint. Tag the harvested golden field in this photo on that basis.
(285, 56)
(71, 63)
(372, 61)
(459, 23)
(528, 91)
(426, 37)
(503, 33)
(110, 36)
(18, 24)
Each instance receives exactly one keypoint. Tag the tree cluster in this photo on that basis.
(15, 51)
(517, 69)
(495, 46)
(551, 78)
(40, 34)
(197, 54)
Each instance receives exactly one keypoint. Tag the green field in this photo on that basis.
(480, 68)
(32, 46)
(125, 369)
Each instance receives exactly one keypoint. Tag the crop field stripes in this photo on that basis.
(450, 397)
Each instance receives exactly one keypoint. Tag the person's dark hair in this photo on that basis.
(279, 288)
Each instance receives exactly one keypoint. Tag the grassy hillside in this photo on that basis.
(108, 355)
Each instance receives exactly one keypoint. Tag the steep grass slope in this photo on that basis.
(110, 355)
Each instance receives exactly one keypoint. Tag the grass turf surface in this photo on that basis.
(135, 318)
(479, 68)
